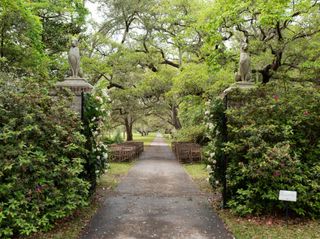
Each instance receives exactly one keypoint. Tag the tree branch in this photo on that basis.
(303, 35)
(166, 61)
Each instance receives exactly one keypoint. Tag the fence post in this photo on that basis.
(82, 105)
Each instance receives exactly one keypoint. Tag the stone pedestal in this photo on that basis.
(240, 84)
(77, 86)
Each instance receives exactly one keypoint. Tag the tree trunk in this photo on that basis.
(2, 40)
(128, 124)
(175, 119)
(268, 70)
(266, 74)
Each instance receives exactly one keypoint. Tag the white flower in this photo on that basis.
(207, 103)
(98, 157)
(217, 182)
(212, 154)
(209, 169)
(207, 112)
(214, 161)
(99, 99)
(210, 125)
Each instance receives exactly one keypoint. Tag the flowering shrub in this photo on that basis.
(96, 117)
(41, 160)
(273, 144)
(214, 128)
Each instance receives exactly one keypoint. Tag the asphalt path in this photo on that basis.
(157, 199)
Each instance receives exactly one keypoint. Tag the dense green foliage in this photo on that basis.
(21, 46)
(49, 160)
(273, 144)
(282, 36)
(140, 49)
(41, 151)
(44, 153)
(33, 35)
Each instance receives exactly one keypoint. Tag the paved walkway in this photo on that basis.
(157, 199)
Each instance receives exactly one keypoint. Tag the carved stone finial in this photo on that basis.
(74, 59)
(244, 73)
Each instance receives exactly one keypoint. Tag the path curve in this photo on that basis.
(157, 199)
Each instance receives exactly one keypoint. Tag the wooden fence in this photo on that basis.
(126, 151)
(186, 152)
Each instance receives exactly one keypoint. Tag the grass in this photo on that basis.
(114, 174)
(267, 228)
(71, 227)
(147, 140)
(199, 174)
(256, 227)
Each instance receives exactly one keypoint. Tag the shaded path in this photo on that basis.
(157, 199)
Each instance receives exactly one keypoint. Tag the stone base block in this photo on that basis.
(240, 84)
(77, 86)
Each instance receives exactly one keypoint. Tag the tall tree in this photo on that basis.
(20, 38)
(151, 34)
(33, 34)
(272, 29)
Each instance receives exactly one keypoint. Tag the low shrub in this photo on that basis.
(273, 144)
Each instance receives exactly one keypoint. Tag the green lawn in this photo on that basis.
(256, 227)
(70, 228)
(249, 228)
(113, 175)
(147, 140)
(199, 174)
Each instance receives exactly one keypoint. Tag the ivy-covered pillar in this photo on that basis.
(228, 102)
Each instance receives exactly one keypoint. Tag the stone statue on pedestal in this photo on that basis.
(244, 73)
(74, 59)
(75, 81)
